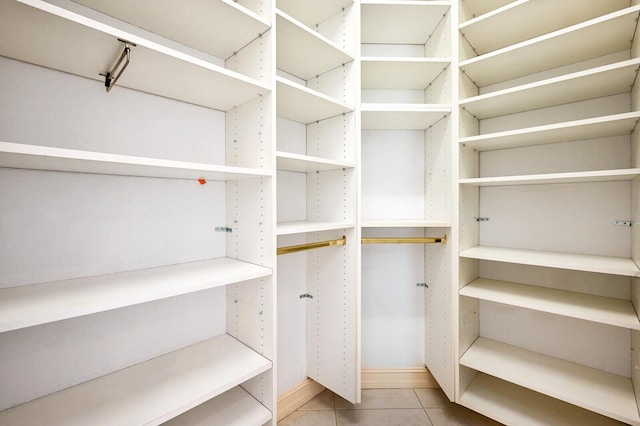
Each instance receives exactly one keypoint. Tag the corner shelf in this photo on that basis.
(159, 389)
(590, 128)
(597, 37)
(572, 177)
(35, 304)
(70, 160)
(596, 390)
(401, 72)
(402, 116)
(303, 227)
(307, 164)
(604, 310)
(577, 262)
(317, 106)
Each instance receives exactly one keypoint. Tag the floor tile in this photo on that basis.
(433, 398)
(458, 416)
(382, 398)
(399, 417)
(310, 418)
(324, 401)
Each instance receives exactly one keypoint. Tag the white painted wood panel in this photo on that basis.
(290, 96)
(566, 178)
(400, 73)
(402, 116)
(306, 164)
(312, 13)
(288, 228)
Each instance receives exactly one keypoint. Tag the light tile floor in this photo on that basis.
(386, 407)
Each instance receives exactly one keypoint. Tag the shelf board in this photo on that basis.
(219, 27)
(577, 262)
(480, 7)
(303, 52)
(402, 116)
(307, 164)
(235, 407)
(572, 177)
(514, 405)
(413, 21)
(525, 19)
(401, 73)
(312, 13)
(35, 304)
(302, 227)
(42, 35)
(590, 128)
(403, 223)
(35, 157)
(159, 389)
(601, 81)
(604, 310)
(298, 103)
(605, 393)
(597, 37)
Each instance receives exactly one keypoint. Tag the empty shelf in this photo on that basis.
(604, 310)
(235, 407)
(605, 393)
(70, 160)
(306, 164)
(302, 227)
(593, 83)
(303, 52)
(590, 128)
(480, 7)
(35, 304)
(597, 37)
(402, 116)
(403, 223)
(312, 13)
(401, 73)
(577, 262)
(515, 405)
(573, 177)
(158, 389)
(298, 103)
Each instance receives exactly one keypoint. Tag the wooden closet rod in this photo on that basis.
(401, 240)
(310, 246)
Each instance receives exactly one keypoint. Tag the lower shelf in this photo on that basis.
(233, 408)
(514, 405)
(604, 393)
(149, 393)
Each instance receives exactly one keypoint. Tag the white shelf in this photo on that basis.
(298, 103)
(158, 65)
(403, 223)
(413, 21)
(576, 262)
(597, 37)
(235, 407)
(35, 157)
(303, 227)
(605, 393)
(593, 83)
(148, 393)
(590, 128)
(35, 304)
(218, 27)
(526, 19)
(401, 73)
(314, 12)
(605, 310)
(573, 177)
(480, 7)
(303, 52)
(402, 116)
(306, 164)
(514, 405)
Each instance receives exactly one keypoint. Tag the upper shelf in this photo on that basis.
(26, 306)
(571, 177)
(474, 8)
(298, 103)
(597, 37)
(412, 21)
(302, 227)
(312, 12)
(601, 81)
(525, 19)
(307, 164)
(73, 38)
(402, 116)
(403, 223)
(159, 389)
(577, 262)
(401, 73)
(590, 128)
(303, 52)
(35, 157)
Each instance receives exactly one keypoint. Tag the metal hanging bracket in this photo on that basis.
(111, 77)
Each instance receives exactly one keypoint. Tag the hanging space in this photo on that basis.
(137, 220)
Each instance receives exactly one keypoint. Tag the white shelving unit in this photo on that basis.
(548, 114)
